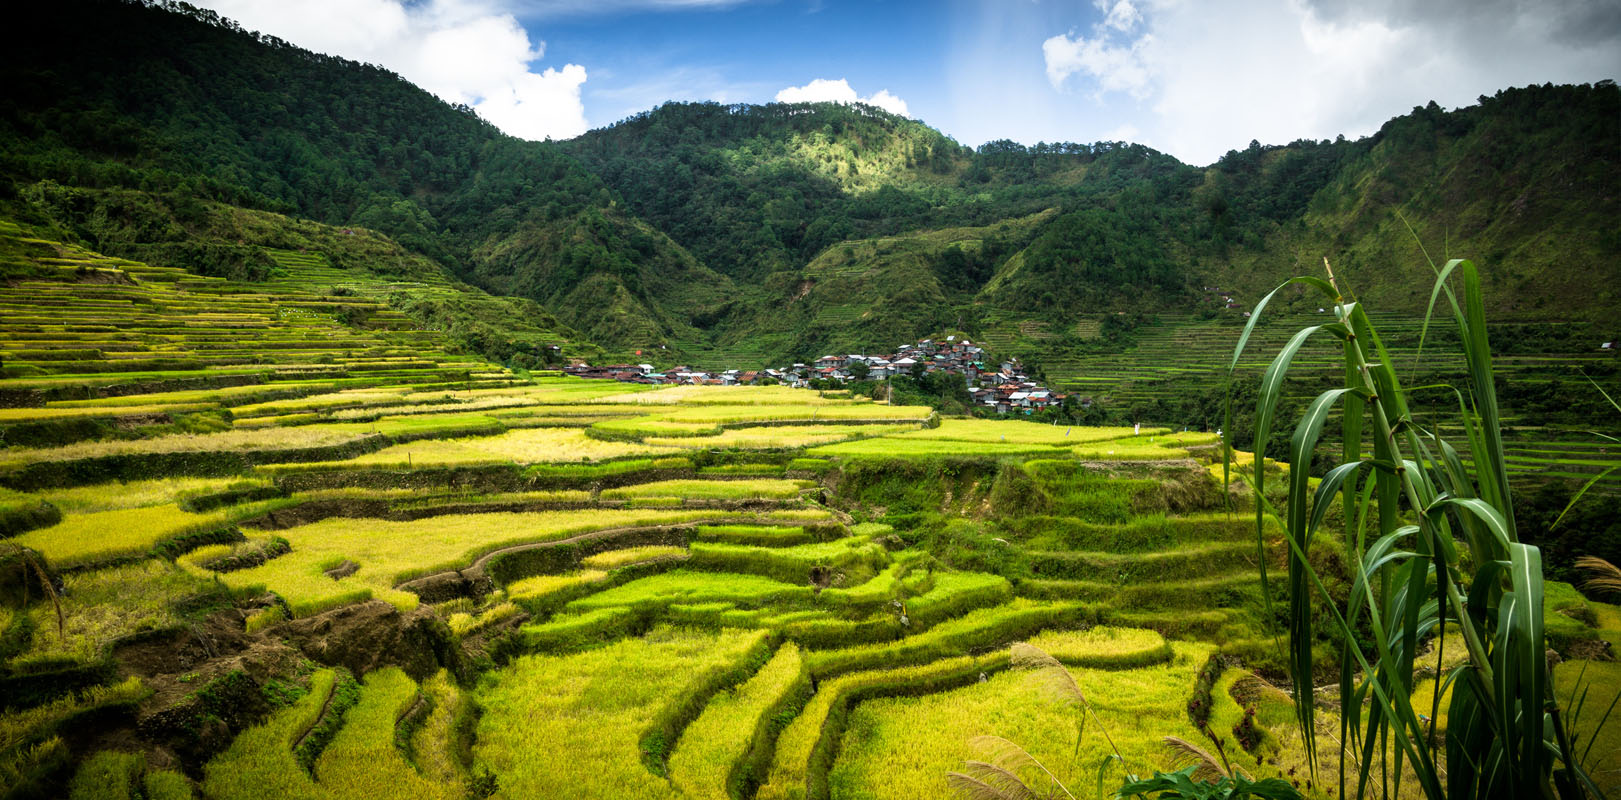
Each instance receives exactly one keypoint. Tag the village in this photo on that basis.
(1003, 390)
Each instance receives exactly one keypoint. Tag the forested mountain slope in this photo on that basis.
(183, 107)
(754, 234)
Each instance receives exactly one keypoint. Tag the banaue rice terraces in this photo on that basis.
(268, 541)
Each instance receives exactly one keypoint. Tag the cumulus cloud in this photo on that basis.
(464, 51)
(1121, 15)
(1115, 67)
(1199, 79)
(888, 102)
(823, 90)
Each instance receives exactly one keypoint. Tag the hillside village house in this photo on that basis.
(1005, 390)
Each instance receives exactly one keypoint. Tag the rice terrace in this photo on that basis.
(360, 441)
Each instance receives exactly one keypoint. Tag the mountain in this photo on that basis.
(175, 104)
(1527, 183)
(742, 235)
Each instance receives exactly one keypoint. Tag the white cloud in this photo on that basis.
(1199, 79)
(888, 102)
(536, 106)
(1121, 16)
(1116, 68)
(820, 90)
(823, 90)
(464, 51)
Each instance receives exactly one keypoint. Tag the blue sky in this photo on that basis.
(966, 67)
(1191, 78)
(749, 52)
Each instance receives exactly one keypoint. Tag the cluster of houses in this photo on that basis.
(1013, 392)
(647, 373)
(1004, 389)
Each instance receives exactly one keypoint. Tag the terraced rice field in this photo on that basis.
(1179, 357)
(351, 564)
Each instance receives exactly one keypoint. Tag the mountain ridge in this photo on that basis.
(691, 228)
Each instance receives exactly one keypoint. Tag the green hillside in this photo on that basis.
(1525, 183)
(251, 246)
(868, 295)
(740, 236)
(184, 108)
(707, 229)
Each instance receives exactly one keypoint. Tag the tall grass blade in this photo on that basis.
(1493, 476)
(1301, 447)
(1505, 731)
(1577, 498)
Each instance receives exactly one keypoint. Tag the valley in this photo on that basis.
(328, 558)
(353, 448)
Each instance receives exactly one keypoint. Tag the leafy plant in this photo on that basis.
(1445, 555)
(1180, 785)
